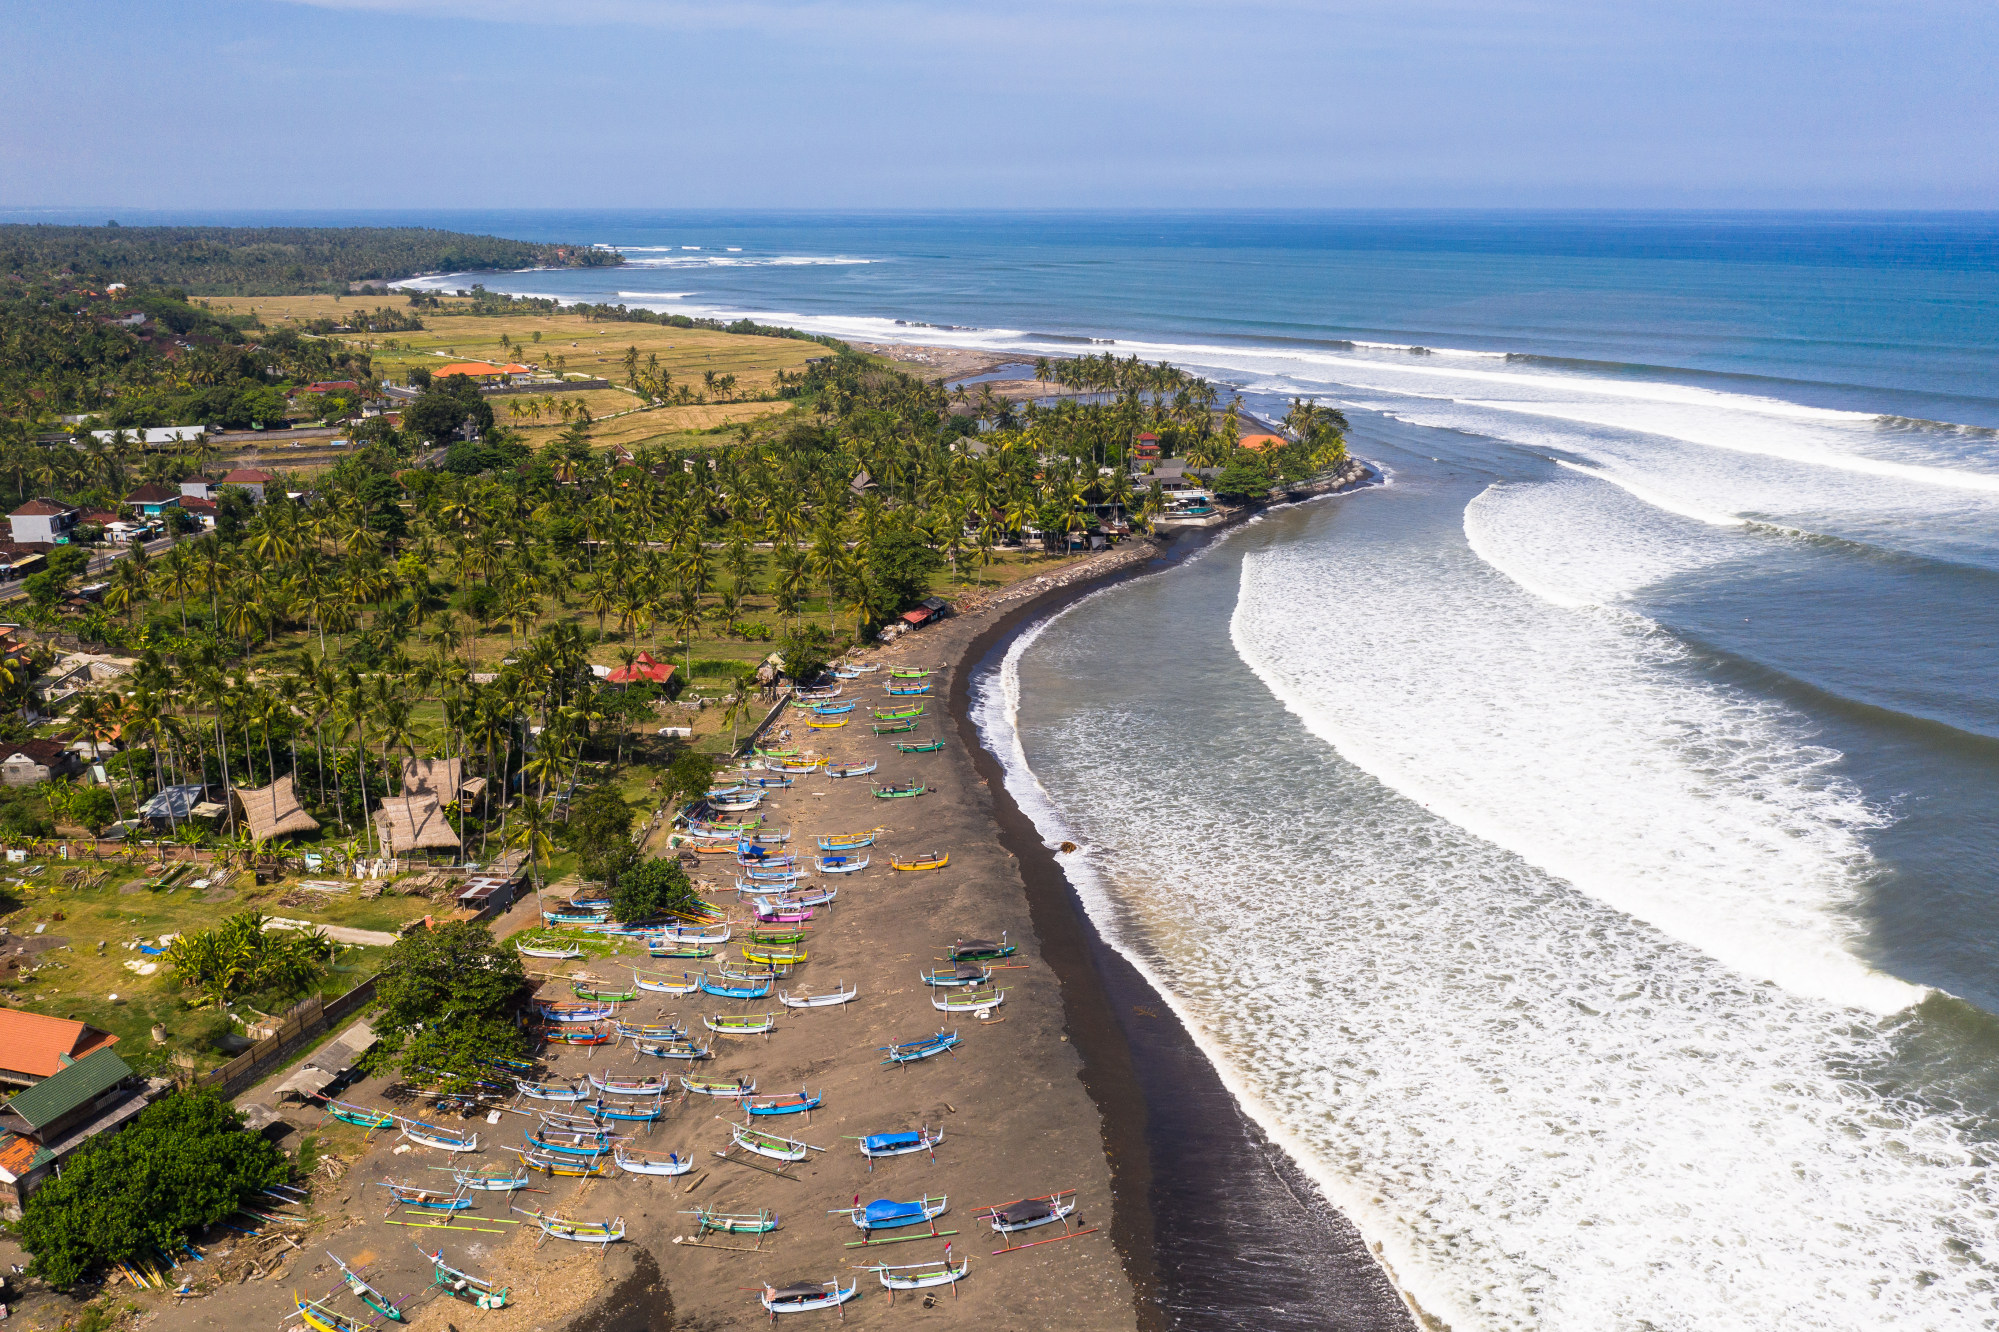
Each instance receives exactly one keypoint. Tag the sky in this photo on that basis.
(318, 104)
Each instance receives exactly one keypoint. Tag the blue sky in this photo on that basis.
(1043, 103)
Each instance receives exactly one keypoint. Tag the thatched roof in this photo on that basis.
(414, 823)
(439, 777)
(274, 810)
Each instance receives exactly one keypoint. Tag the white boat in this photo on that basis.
(842, 864)
(426, 1135)
(805, 1297)
(582, 1232)
(651, 1163)
(967, 1001)
(877, 1145)
(530, 950)
(751, 1024)
(692, 934)
(1031, 1212)
(805, 1000)
(688, 983)
(769, 1144)
(725, 1088)
(921, 1276)
(737, 804)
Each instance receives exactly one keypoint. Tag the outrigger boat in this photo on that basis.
(895, 728)
(772, 782)
(581, 1232)
(322, 1319)
(899, 790)
(852, 769)
(935, 860)
(804, 1297)
(463, 1285)
(887, 1214)
(652, 1163)
(771, 913)
(569, 1142)
(612, 1085)
(430, 1135)
(571, 1035)
(722, 990)
(833, 709)
(905, 712)
(366, 1293)
(980, 950)
(759, 934)
(559, 1011)
(769, 1145)
(738, 804)
(694, 934)
(968, 1001)
(724, 828)
(360, 1116)
(638, 1114)
(843, 864)
(724, 1088)
(687, 984)
(752, 1024)
(487, 1182)
(777, 957)
(651, 1031)
(824, 724)
(683, 952)
(681, 1049)
(575, 917)
(880, 1145)
(922, 1276)
(790, 1103)
(804, 999)
(593, 991)
(568, 1167)
(850, 841)
(908, 1052)
(927, 747)
(545, 951)
(1029, 1213)
(817, 694)
(760, 1222)
(908, 691)
(429, 1200)
(798, 767)
(911, 672)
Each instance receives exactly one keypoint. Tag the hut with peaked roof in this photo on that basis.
(274, 810)
(441, 777)
(643, 670)
(413, 822)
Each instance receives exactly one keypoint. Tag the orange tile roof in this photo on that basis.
(478, 369)
(1254, 442)
(33, 1044)
(17, 1154)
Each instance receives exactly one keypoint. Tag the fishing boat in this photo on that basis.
(921, 1276)
(769, 1145)
(788, 1103)
(827, 723)
(769, 837)
(760, 1222)
(775, 753)
(808, 897)
(322, 1319)
(359, 1115)
(429, 1200)
(804, 1297)
(750, 1024)
(817, 694)
(485, 1181)
(785, 871)
(772, 781)
(968, 1001)
(805, 999)
(508, 1062)
(715, 793)
(652, 1163)
(1028, 1213)
(737, 804)
(569, 1142)
(599, 1034)
(694, 934)
(899, 790)
(722, 988)
(687, 984)
(895, 728)
(575, 917)
(935, 860)
(908, 1052)
(772, 914)
(430, 1135)
(651, 1031)
(555, 1010)
(565, 1167)
(851, 769)
(725, 827)
(581, 1232)
(963, 975)
(366, 1293)
(879, 1145)
(460, 1284)
(612, 1085)
(850, 841)
(680, 952)
(905, 691)
(595, 991)
(833, 709)
(769, 887)
(927, 747)
(761, 934)
(548, 951)
(724, 1088)
(842, 864)
(902, 712)
(797, 767)
(980, 950)
(638, 1114)
(887, 1214)
(911, 672)
(682, 1049)
(773, 955)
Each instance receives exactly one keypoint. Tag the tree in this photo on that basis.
(445, 408)
(600, 827)
(183, 1163)
(651, 887)
(239, 958)
(446, 996)
(1242, 479)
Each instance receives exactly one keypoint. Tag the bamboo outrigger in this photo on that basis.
(463, 1285)
(935, 860)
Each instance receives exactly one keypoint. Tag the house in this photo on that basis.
(28, 762)
(412, 822)
(274, 810)
(152, 499)
(199, 487)
(1147, 446)
(332, 386)
(443, 778)
(923, 612)
(1258, 443)
(33, 1047)
(173, 805)
(41, 1126)
(250, 479)
(480, 371)
(202, 510)
(42, 522)
(643, 670)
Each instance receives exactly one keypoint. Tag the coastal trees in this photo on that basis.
(446, 997)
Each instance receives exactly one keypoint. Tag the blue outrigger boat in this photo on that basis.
(789, 1103)
(886, 1214)
(901, 1144)
(908, 1052)
(833, 709)
(849, 841)
(771, 783)
(727, 989)
(908, 692)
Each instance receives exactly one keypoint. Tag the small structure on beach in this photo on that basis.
(273, 811)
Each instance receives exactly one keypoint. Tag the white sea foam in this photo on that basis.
(1547, 1114)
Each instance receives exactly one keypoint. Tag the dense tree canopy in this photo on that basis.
(446, 996)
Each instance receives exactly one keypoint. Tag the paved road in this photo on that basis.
(11, 591)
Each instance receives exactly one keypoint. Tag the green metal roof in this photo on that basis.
(59, 1093)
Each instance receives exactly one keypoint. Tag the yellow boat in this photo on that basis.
(826, 725)
(769, 956)
(932, 861)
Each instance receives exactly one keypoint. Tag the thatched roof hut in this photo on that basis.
(414, 823)
(441, 777)
(274, 810)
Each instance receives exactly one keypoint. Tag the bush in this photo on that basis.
(240, 957)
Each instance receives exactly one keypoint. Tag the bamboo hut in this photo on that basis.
(273, 811)
(408, 823)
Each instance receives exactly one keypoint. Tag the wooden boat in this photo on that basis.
(842, 864)
(580, 1232)
(572, 1035)
(1028, 1213)
(804, 1297)
(638, 1114)
(749, 1024)
(911, 672)
(888, 1214)
(487, 1182)
(935, 860)
(806, 897)
(769, 1145)
(683, 952)
(551, 1091)
(880, 1145)
(899, 790)
(360, 1116)
(921, 1276)
(773, 955)
(366, 1293)
(775, 753)
(430, 1135)
(788, 1103)
(850, 841)
(927, 747)
(652, 1163)
(772, 782)
(852, 769)
(725, 1088)
(737, 804)
(833, 709)
(803, 999)
(760, 1222)
(908, 1052)
(687, 984)
(574, 917)
(769, 887)
(797, 767)
(907, 691)
(673, 1049)
(569, 1142)
(544, 951)
(695, 934)
(714, 793)
(463, 1285)
(725, 827)
(785, 872)
(762, 934)
(768, 836)
(772, 914)
(555, 1010)
(508, 1063)
(429, 1200)
(723, 989)
(963, 975)
(612, 1085)
(593, 991)
(566, 1167)
(967, 1001)
(814, 695)
(902, 712)
(827, 724)
(980, 950)
(322, 1319)
(895, 728)
(651, 1031)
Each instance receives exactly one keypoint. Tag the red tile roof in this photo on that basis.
(33, 1044)
(644, 668)
(478, 370)
(246, 476)
(40, 508)
(1254, 442)
(152, 493)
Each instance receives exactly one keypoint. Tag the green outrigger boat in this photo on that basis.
(777, 753)
(905, 673)
(899, 791)
(734, 1223)
(895, 729)
(898, 714)
(602, 995)
(927, 747)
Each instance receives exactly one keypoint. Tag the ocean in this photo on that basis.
(1578, 850)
